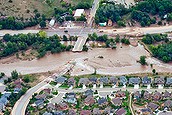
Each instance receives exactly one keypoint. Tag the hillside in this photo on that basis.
(26, 8)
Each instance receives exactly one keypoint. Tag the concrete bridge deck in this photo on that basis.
(79, 44)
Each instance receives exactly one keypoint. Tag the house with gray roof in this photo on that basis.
(2, 107)
(96, 111)
(166, 95)
(39, 103)
(113, 80)
(102, 101)
(123, 80)
(71, 112)
(47, 113)
(134, 80)
(168, 104)
(84, 81)
(146, 81)
(147, 95)
(59, 113)
(93, 80)
(70, 98)
(89, 92)
(169, 81)
(60, 79)
(137, 95)
(104, 80)
(71, 81)
(157, 96)
(159, 81)
(146, 111)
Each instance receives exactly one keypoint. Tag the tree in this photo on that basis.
(143, 60)
(14, 74)
(85, 48)
(42, 24)
(153, 71)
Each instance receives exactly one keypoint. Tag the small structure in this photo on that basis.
(96, 111)
(89, 100)
(145, 111)
(84, 81)
(147, 95)
(102, 24)
(146, 81)
(110, 23)
(134, 81)
(168, 104)
(113, 80)
(60, 80)
(169, 81)
(93, 80)
(157, 96)
(120, 94)
(102, 101)
(71, 81)
(71, 112)
(104, 80)
(159, 81)
(88, 92)
(78, 13)
(62, 106)
(137, 95)
(52, 22)
(166, 95)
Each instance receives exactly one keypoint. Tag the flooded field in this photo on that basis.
(122, 60)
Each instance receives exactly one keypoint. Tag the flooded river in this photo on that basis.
(116, 62)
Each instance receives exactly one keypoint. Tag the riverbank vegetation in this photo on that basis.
(160, 46)
(39, 42)
(145, 12)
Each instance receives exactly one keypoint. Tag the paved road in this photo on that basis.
(21, 105)
(93, 12)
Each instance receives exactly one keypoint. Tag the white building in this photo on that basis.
(78, 13)
(52, 22)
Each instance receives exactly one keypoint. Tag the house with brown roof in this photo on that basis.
(50, 107)
(120, 94)
(41, 97)
(121, 111)
(89, 100)
(157, 96)
(85, 112)
(116, 101)
(152, 106)
(62, 106)
(71, 112)
(47, 91)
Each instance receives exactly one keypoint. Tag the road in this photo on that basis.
(21, 105)
(93, 12)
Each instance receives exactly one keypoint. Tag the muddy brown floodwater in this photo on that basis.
(116, 62)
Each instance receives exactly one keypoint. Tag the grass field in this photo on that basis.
(25, 8)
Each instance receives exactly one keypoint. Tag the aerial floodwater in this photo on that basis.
(122, 60)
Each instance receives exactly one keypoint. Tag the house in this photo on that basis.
(47, 91)
(145, 111)
(169, 81)
(159, 81)
(62, 106)
(85, 112)
(168, 104)
(70, 98)
(113, 80)
(102, 101)
(17, 88)
(71, 81)
(59, 113)
(78, 13)
(18, 81)
(166, 95)
(123, 80)
(146, 81)
(104, 80)
(116, 101)
(157, 96)
(41, 97)
(84, 81)
(60, 80)
(96, 111)
(4, 100)
(120, 94)
(134, 81)
(2, 107)
(39, 103)
(121, 111)
(137, 95)
(47, 113)
(107, 111)
(93, 80)
(152, 106)
(89, 92)
(71, 112)
(147, 95)
(50, 107)
(110, 23)
(89, 100)
(52, 22)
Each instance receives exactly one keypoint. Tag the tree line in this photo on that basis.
(140, 12)
(160, 51)
(39, 42)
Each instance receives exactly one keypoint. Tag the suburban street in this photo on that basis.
(21, 105)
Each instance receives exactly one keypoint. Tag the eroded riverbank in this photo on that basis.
(122, 60)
